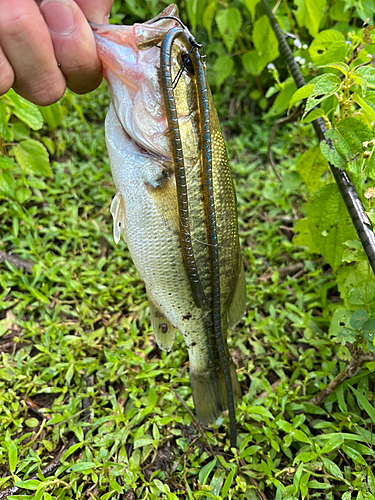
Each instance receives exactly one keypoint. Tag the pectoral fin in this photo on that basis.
(164, 331)
(238, 303)
(119, 219)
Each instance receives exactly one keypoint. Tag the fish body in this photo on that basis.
(145, 208)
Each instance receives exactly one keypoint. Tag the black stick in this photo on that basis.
(348, 192)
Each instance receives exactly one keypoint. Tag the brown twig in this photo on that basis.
(16, 261)
(351, 369)
(195, 422)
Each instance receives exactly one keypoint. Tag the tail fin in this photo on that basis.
(209, 393)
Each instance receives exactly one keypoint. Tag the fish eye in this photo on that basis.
(185, 63)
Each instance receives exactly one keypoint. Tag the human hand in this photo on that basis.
(48, 45)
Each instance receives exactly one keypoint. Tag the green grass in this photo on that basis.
(79, 364)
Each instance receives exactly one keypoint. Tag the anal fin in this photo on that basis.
(164, 331)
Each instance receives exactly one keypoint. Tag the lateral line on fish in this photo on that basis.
(179, 164)
(209, 202)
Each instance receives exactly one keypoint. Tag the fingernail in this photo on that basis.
(59, 17)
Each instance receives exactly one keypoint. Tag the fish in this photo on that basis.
(169, 236)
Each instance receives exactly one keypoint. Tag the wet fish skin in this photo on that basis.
(145, 206)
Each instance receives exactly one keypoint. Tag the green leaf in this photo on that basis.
(344, 68)
(259, 410)
(303, 236)
(23, 193)
(306, 457)
(324, 86)
(223, 67)
(208, 17)
(250, 5)
(329, 223)
(83, 466)
(309, 14)
(368, 72)
(227, 484)
(362, 400)
(316, 485)
(152, 397)
(25, 110)
(138, 443)
(281, 102)
(229, 22)
(332, 468)
(300, 94)
(313, 115)
(5, 132)
(367, 106)
(32, 422)
(358, 318)
(52, 115)
(265, 40)
(7, 183)
(33, 157)
(353, 454)
(300, 436)
(12, 457)
(205, 471)
(311, 167)
(31, 484)
(115, 486)
(322, 42)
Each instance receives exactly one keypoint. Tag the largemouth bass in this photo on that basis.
(147, 208)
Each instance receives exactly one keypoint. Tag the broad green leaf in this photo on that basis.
(12, 457)
(306, 457)
(311, 167)
(7, 183)
(336, 52)
(31, 484)
(297, 477)
(4, 128)
(223, 67)
(313, 115)
(301, 94)
(371, 480)
(229, 22)
(362, 400)
(322, 42)
(303, 236)
(152, 397)
(353, 454)
(33, 157)
(303, 485)
(358, 318)
(254, 63)
(265, 40)
(329, 223)
(32, 422)
(344, 68)
(367, 106)
(205, 471)
(368, 72)
(338, 12)
(259, 410)
(208, 17)
(217, 482)
(22, 194)
(332, 468)
(324, 86)
(250, 5)
(25, 110)
(115, 486)
(83, 466)
(316, 485)
(52, 115)
(281, 102)
(300, 436)
(227, 484)
(309, 14)
(138, 443)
